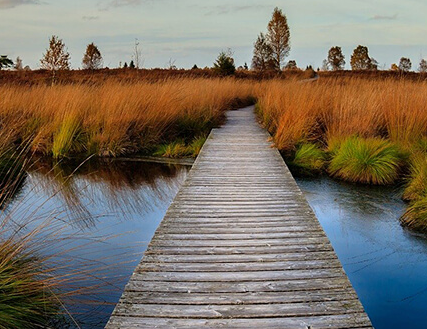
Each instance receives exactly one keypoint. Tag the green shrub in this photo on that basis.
(308, 159)
(370, 161)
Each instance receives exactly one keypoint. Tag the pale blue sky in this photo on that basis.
(195, 31)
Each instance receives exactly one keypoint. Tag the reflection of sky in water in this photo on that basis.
(386, 264)
(110, 213)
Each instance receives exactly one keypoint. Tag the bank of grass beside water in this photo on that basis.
(357, 130)
(118, 118)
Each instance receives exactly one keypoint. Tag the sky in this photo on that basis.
(188, 32)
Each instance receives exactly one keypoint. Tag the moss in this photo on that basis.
(369, 161)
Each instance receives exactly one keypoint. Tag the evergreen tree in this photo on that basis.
(5, 62)
(405, 64)
(224, 64)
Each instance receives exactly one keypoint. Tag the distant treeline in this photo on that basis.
(39, 77)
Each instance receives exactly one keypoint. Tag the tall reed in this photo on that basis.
(117, 118)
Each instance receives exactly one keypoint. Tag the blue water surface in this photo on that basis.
(386, 264)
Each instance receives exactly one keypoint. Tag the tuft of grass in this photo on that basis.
(308, 159)
(196, 145)
(370, 161)
(26, 299)
(67, 139)
(172, 150)
(421, 145)
(415, 216)
(416, 186)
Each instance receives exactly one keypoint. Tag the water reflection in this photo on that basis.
(100, 217)
(385, 263)
(114, 186)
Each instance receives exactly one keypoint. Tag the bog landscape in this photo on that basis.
(98, 160)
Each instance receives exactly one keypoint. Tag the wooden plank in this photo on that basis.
(310, 284)
(237, 276)
(278, 297)
(238, 267)
(299, 249)
(244, 311)
(239, 247)
(236, 257)
(355, 320)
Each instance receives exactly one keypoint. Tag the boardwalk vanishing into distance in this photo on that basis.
(239, 248)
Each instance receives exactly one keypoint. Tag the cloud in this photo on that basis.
(222, 10)
(90, 18)
(384, 17)
(119, 3)
(6, 4)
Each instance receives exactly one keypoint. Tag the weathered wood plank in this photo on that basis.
(310, 284)
(244, 311)
(239, 247)
(281, 297)
(299, 249)
(355, 320)
(235, 257)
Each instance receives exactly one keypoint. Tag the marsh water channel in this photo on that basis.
(104, 213)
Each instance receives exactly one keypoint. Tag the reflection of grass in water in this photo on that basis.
(116, 181)
(43, 264)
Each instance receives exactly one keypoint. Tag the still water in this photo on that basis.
(386, 264)
(100, 216)
(98, 219)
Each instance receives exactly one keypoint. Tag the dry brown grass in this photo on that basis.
(117, 118)
(330, 109)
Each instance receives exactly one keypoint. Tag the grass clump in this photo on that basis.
(26, 299)
(196, 146)
(308, 159)
(172, 150)
(179, 149)
(371, 161)
(67, 139)
(415, 216)
(416, 187)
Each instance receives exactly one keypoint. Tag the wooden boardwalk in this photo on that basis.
(239, 248)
